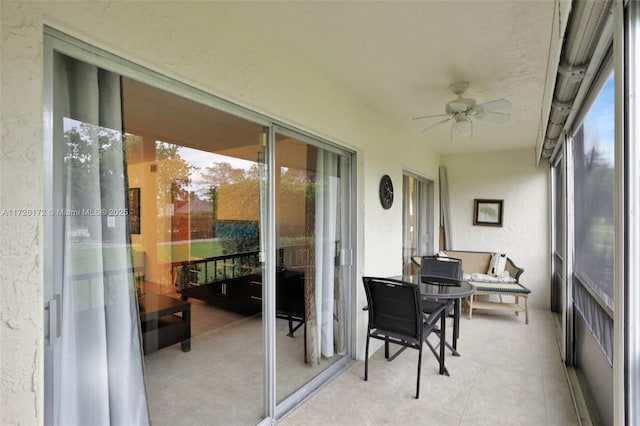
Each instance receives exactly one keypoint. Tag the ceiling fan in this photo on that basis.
(462, 111)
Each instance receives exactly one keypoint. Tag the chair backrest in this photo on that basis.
(441, 269)
(395, 308)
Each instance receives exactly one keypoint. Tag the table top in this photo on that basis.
(157, 305)
(439, 291)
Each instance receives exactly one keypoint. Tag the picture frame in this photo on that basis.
(134, 210)
(487, 212)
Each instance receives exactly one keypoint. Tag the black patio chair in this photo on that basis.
(443, 271)
(396, 316)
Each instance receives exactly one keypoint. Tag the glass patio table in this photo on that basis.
(448, 293)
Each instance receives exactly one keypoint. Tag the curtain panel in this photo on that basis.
(98, 371)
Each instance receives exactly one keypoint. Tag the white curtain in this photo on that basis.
(99, 371)
(421, 219)
(445, 218)
(416, 220)
(326, 214)
(407, 225)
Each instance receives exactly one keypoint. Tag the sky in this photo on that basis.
(599, 123)
(202, 159)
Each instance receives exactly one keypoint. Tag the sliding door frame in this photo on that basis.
(56, 41)
(409, 195)
(346, 258)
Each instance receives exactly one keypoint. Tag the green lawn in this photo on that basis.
(84, 258)
(191, 250)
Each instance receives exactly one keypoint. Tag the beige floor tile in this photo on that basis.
(509, 373)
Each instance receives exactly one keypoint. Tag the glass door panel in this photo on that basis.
(417, 220)
(194, 189)
(311, 233)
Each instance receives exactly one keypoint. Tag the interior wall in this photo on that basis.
(513, 177)
(204, 45)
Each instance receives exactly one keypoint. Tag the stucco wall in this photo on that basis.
(513, 177)
(199, 43)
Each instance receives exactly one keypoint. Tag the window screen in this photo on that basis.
(594, 196)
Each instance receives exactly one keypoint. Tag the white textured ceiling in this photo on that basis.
(400, 57)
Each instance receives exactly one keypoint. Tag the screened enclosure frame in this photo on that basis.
(617, 51)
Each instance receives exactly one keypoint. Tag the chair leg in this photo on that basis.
(456, 323)
(443, 341)
(366, 360)
(418, 379)
(386, 348)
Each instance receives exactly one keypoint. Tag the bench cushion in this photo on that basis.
(486, 278)
(501, 287)
(478, 262)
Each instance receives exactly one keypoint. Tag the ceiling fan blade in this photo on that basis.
(435, 124)
(496, 104)
(430, 116)
(494, 117)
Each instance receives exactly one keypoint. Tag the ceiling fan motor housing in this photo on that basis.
(460, 105)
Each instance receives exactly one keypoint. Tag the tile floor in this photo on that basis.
(509, 374)
(220, 380)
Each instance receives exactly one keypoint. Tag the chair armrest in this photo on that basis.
(435, 314)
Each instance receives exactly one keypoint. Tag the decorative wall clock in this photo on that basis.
(386, 192)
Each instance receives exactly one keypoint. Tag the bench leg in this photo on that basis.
(526, 309)
(471, 304)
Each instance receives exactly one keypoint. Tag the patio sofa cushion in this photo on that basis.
(475, 266)
(486, 278)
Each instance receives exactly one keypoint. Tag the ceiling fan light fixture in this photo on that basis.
(462, 111)
(461, 127)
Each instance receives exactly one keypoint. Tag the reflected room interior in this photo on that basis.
(196, 195)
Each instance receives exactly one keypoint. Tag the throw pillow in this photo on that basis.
(497, 264)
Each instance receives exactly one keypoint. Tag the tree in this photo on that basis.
(93, 153)
(174, 174)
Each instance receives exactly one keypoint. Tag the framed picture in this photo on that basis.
(487, 212)
(134, 210)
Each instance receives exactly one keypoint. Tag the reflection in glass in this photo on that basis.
(197, 171)
(594, 195)
(310, 208)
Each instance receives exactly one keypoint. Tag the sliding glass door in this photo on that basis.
(196, 239)
(194, 179)
(312, 210)
(417, 219)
